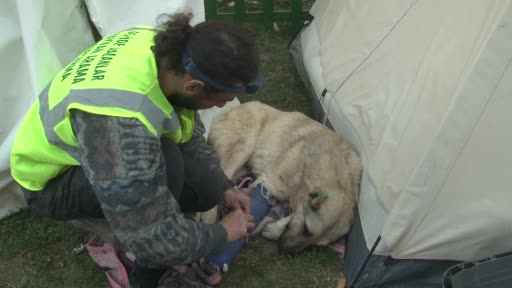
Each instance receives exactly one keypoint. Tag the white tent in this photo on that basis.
(423, 91)
(40, 37)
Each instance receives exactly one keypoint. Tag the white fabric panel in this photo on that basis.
(112, 16)
(476, 192)
(34, 46)
(383, 96)
(399, 97)
(354, 28)
(460, 191)
(311, 57)
(414, 79)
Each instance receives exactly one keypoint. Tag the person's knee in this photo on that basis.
(39, 205)
(68, 196)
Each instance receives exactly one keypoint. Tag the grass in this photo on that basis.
(282, 87)
(36, 252)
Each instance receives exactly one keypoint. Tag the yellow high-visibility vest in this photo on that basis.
(115, 77)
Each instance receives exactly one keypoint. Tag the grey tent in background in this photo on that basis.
(423, 90)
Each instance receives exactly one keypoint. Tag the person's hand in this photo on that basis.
(237, 224)
(236, 199)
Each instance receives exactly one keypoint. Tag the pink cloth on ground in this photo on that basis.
(106, 256)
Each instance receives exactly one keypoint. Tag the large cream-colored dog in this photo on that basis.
(298, 160)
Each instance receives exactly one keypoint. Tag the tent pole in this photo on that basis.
(361, 269)
(306, 23)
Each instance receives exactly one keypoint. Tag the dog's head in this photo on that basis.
(324, 209)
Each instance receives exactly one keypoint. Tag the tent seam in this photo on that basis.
(371, 53)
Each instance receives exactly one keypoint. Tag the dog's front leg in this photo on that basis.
(274, 230)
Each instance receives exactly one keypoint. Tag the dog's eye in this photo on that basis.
(306, 231)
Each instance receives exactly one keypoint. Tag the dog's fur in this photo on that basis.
(298, 160)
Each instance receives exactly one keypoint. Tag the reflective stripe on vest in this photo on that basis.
(107, 98)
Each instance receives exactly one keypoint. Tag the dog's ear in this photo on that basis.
(316, 199)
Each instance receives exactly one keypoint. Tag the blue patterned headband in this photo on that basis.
(191, 68)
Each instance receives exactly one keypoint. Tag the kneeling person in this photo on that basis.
(128, 146)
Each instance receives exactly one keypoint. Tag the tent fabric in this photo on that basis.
(34, 46)
(420, 88)
(40, 38)
(307, 58)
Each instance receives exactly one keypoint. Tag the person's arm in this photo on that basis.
(126, 168)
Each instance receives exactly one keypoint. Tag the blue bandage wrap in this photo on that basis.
(259, 208)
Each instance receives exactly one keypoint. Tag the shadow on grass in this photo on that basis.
(36, 252)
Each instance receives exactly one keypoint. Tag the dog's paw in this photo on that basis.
(274, 230)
